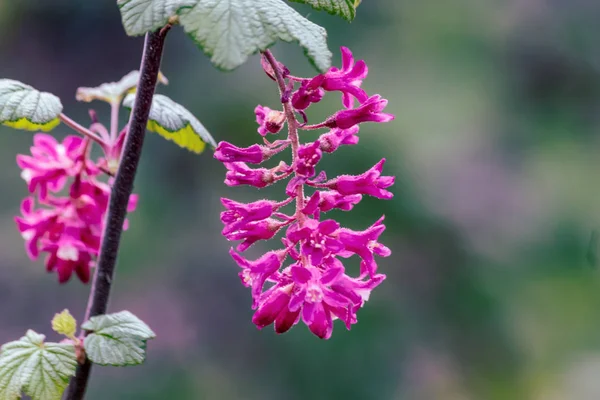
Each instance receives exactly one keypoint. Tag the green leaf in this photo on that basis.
(343, 8)
(23, 107)
(64, 324)
(141, 16)
(113, 92)
(230, 30)
(174, 122)
(39, 369)
(117, 339)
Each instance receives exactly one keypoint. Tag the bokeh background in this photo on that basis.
(492, 292)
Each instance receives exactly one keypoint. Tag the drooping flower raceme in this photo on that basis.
(65, 215)
(313, 285)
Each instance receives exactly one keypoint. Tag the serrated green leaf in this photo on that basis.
(41, 370)
(343, 8)
(23, 107)
(118, 352)
(141, 16)
(64, 324)
(116, 339)
(230, 30)
(113, 92)
(174, 122)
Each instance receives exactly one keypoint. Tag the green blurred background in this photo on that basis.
(489, 293)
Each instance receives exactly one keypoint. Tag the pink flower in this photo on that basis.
(226, 152)
(309, 156)
(310, 91)
(240, 174)
(348, 79)
(314, 287)
(273, 307)
(371, 183)
(328, 200)
(34, 225)
(369, 111)
(269, 121)
(336, 137)
(51, 163)
(64, 263)
(255, 273)
(365, 245)
(239, 214)
(69, 228)
(317, 239)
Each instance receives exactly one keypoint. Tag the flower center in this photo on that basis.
(314, 294)
(68, 253)
(247, 277)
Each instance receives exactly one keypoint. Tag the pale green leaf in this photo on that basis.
(230, 30)
(40, 370)
(174, 122)
(64, 324)
(343, 8)
(116, 339)
(23, 107)
(118, 352)
(141, 16)
(113, 92)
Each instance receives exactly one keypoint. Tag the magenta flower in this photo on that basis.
(309, 156)
(239, 214)
(269, 121)
(255, 273)
(328, 200)
(310, 91)
(336, 137)
(315, 287)
(371, 183)
(226, 152)
(365, 245)
(51, 163)
(348, 79)
(369, 111)
(240, 174)
(316, 238)
(69, 228)
(273, 307)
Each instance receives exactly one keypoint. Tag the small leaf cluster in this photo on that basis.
(42, 369)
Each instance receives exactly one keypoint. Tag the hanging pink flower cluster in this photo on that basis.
(65, 217)
(314, 286)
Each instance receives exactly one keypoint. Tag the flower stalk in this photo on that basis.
(292, 125)
(119, 198)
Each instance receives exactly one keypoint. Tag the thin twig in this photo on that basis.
(119, 198)
(80, 129)
(292, 124)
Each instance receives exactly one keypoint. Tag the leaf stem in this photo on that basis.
(81, 129)
(292, 124)
(119, 198)
(114, 120)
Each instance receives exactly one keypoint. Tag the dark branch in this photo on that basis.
(119, 198)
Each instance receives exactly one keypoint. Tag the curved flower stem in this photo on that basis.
(121, 190)
(292, 124)
(81, 129)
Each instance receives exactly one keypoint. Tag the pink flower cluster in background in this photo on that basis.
(64, 217)
(314, 286)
